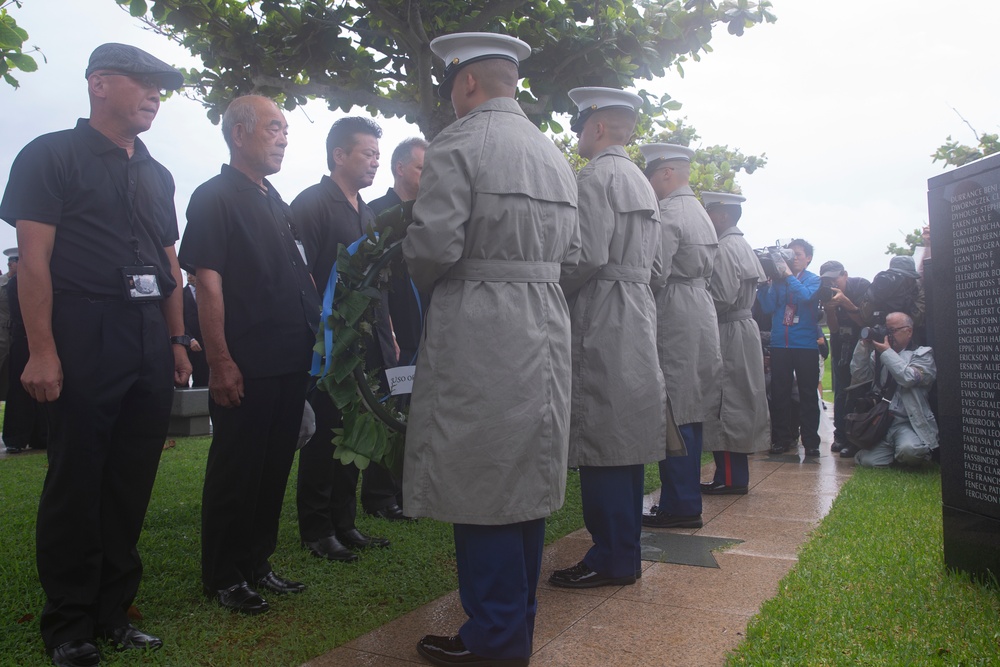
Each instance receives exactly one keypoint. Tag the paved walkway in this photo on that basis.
(675, 614)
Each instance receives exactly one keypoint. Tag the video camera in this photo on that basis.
(774, 259)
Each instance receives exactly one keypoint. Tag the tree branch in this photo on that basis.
(495, 10)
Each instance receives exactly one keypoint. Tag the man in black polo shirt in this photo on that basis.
(329, 214)
(258, 313)
(99, 309)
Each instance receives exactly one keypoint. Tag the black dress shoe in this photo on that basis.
(717, 489)
(356, 539)
(330, 548)
(581, 576)
(391, 513)
(849, 451)
(663, 520)
(130, 637)
(779, 449)
(239, 598)
(77, 653)
(811, 451)
(278, 584)
(445, 651)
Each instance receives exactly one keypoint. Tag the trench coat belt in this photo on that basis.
(503, 271)
(735, 316)
(693, 282)
(623, 274)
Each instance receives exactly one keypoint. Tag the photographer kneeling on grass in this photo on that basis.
(913, 433)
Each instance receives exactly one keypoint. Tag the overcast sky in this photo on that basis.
(848, 101)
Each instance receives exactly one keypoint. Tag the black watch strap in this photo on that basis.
(181, 340)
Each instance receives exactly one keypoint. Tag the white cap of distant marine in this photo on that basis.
(710, 199)
(590, 99)
(463, 48)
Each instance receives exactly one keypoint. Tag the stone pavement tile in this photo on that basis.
(626, 633)
(738, 586)
(398, 639)
(762, 536)
(782, 505)
(345, 657)
(789, 482)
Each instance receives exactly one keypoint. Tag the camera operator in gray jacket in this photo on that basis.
(913, 434)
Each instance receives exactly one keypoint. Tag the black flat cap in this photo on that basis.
(132, 60)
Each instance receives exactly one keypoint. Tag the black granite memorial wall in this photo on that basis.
(963, 282)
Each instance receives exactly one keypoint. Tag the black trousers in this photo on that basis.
(841, 351)
(199, 368)
(106, 433)
(789, 365)
(24, 421)
(326, 493)
(252, 449)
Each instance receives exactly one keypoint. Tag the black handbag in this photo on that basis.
(870, 419)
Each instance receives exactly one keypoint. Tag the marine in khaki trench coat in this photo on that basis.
(687, 327)
(619, 401)
(744, 425)
(495, 219)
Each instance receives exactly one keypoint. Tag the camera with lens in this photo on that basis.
(875, 333)
(825, 291)
(774, 260)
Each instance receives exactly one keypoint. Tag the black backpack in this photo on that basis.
(892, 292)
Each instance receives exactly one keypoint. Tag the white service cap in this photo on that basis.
(462, 48)
(591, 99)
(710, 199)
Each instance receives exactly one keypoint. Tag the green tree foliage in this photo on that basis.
(954, 154)
(12, 39)
(714, 168)
(913, 239)
(375, 53)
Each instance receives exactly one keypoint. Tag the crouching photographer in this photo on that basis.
(906, 373)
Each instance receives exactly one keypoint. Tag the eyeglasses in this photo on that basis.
(143, 80)
(898, 329)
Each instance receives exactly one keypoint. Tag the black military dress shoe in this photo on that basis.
(330, 548)
(779, 449)
(355, 539)
(445, 651)
(581, 576)
(278, 584)
(811, 451)
(240, 598)
(658, 519)
(77, 653)
(128, 637)
(391, 513)
(717, 489)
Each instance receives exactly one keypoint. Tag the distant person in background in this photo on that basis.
(844, 318)
(381, 495)
(24, 422)
(743, 427)
(897, 289)
(199, 365)
(792, 304)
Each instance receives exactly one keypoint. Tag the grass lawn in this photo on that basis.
(343, 600)
(870, 587)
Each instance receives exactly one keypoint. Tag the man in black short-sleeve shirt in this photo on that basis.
(96, 227)
(258, 312)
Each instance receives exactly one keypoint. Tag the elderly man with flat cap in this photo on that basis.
(96, 228)
(486, 443)
(687, 330)
(618, 420)
(743, 426)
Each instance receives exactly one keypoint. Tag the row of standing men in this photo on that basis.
(571, 324)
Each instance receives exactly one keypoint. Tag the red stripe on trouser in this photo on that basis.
(728, 467)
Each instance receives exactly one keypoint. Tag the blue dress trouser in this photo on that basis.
(680, 476)
(498, 568)
(732, 469)
(612, 512)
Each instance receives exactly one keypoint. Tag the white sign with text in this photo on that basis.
(400, 379)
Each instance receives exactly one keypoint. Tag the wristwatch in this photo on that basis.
(181, 340)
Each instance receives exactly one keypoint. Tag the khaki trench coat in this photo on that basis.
(744, 425)
(687, 331)
(619, 401)
(495, 219)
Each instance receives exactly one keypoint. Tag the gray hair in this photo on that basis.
(240, 111)
(404, 151)
(907, 320)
